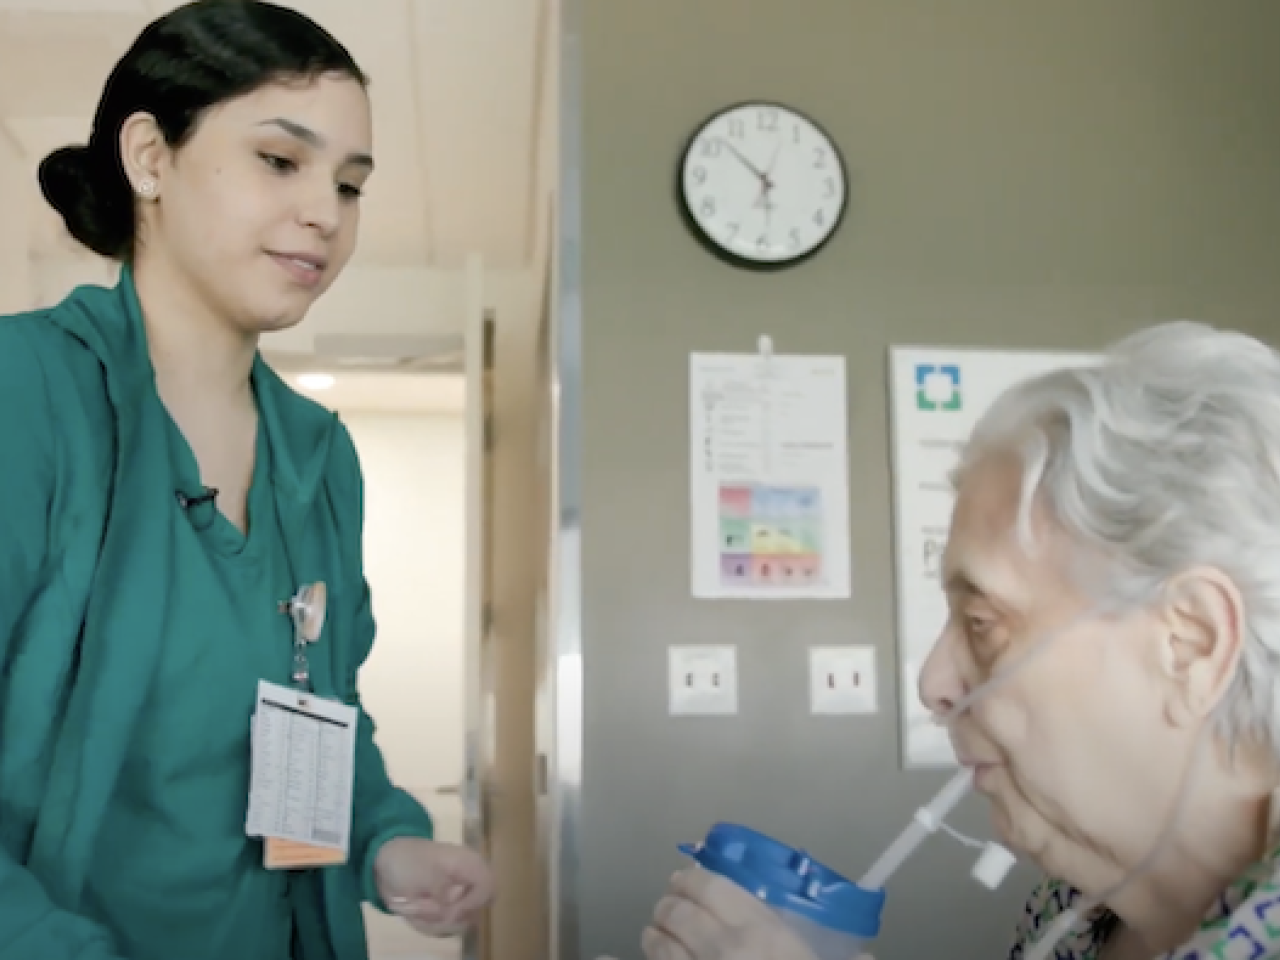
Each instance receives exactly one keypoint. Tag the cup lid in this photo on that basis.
(789, 879)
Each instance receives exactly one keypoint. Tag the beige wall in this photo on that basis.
(414, 473)
(1023, 174)
(414, 546)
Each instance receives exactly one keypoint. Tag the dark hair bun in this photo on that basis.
(89, 200)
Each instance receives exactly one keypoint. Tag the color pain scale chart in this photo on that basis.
(770, 535)
(769, 476)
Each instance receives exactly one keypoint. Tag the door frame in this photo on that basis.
(478, 371)
(565, 667)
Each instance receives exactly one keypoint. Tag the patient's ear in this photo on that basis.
(1202, 639)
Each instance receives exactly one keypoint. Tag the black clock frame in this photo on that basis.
(706, 241)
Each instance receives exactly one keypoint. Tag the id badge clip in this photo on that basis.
(307, 611)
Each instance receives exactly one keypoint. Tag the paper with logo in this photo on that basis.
(769, 478)
(936, 396)
(301, 777)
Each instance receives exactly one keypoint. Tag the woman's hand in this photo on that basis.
(706, 917)
(439, 888)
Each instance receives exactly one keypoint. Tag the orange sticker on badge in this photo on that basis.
(292, 855)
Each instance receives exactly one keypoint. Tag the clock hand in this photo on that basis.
(773, 161)
(765, 199)
(767, 186)
(747, 163)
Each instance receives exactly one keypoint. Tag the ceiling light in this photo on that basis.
(315, 381)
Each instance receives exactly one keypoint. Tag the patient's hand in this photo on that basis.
(706, 917)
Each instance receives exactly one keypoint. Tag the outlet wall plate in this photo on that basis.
(842, 680)
(702, 681)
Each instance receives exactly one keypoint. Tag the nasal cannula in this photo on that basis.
(994, 864)
(929, 817)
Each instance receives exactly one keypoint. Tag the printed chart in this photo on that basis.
(769, 491)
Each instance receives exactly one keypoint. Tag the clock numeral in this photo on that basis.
(795, 133)
(711, 147)
(820, 218)
(762, 244)
(733, 230)
(830, 185)
(795, 238)
(699, 175)
(737, 128)
(819, 158)
(708, 208)
(768, 120)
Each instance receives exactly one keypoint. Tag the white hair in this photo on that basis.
(1164, 457)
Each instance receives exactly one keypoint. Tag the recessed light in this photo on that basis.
(315, 381)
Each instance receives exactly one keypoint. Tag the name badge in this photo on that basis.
(301, 778)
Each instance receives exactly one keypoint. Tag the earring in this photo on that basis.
(148, 189)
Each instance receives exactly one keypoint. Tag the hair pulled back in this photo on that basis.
(200, 55)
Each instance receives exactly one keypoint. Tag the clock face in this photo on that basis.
(763, 185)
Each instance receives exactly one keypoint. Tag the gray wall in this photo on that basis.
(1046, 174)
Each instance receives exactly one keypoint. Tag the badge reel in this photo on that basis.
(303, 757)
(306, 609)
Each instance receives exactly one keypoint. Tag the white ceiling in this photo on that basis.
(460, 90)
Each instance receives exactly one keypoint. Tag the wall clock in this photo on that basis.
(762, 186)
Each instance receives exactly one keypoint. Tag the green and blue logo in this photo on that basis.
(938, 387)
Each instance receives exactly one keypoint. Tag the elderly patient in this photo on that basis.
(1114, 550)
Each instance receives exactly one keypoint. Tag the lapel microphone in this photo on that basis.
(200, 499)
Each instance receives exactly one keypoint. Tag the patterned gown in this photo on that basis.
(1243, 924)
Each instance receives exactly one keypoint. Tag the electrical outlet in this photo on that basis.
(703, 681)
(842, 680)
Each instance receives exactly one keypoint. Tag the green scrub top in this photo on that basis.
(132, 637)
(175, 875)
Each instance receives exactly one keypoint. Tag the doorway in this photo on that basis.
(410, 433)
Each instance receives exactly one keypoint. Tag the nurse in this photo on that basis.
(163, 495)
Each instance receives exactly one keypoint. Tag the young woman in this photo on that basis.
(164, 495)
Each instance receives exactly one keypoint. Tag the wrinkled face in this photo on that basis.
(1075, 751)
(259, 210)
